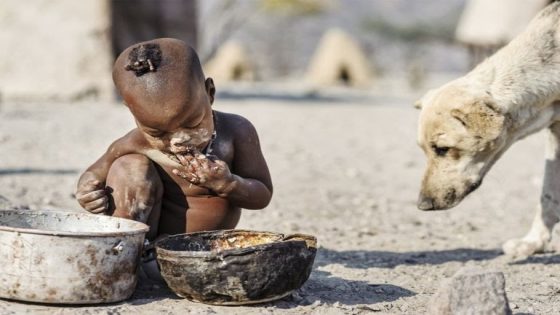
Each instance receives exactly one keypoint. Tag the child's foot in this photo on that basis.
(149, 270)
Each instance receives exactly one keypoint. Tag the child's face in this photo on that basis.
(187, 134)
(183, 124)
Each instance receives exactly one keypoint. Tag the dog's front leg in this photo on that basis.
(548, 209)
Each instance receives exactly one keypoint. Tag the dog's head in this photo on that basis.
(462, 134)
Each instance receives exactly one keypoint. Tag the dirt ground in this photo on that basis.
(345, 169)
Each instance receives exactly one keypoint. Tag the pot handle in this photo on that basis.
(117, 249)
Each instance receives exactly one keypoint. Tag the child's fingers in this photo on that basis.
(205, 165)
(90, 196)
(188, 176)
(195, 163)
(219, 166)
(99, 210)
(183, 159)
(186, 159)
(90, 185)
(202, 179)
(187, 162)
(97, 204)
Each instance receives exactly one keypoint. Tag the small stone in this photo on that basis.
(315, 304)
(368, 308)
(403, 308)
(471, 291)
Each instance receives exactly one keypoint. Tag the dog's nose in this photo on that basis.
(425, 203)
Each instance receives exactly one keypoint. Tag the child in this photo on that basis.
(185, 168)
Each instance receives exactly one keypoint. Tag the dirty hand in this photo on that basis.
(91, 194)
(205, 171)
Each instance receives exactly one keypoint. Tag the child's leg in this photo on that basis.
(135, 191)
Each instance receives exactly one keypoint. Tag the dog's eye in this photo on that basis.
(440, 151)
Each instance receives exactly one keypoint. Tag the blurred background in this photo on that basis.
(64, 49)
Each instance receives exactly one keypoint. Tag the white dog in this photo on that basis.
(467, 124)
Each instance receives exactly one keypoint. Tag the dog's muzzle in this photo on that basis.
(425, 203)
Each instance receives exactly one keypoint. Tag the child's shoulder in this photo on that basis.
(234, 123)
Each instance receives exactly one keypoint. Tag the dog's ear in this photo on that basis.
(482, 119)
(424, 99)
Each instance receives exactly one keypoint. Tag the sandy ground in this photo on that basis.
(344, 169)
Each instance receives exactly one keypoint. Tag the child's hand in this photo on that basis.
(91, 195)
(205, 171)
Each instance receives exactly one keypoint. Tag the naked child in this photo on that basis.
(185, 167)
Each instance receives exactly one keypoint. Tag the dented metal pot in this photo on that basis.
(235, 267)
(68, 257)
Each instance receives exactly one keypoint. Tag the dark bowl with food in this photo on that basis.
(235, 267)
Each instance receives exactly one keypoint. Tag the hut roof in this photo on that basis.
(231, 63)
(495, 22)
(339, 59)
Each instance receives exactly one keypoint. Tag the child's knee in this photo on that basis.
(135, 187)
(130, 167)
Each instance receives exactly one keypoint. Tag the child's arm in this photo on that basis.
(247, 185)
(90, 193)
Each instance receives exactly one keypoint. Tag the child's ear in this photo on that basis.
(210, 89)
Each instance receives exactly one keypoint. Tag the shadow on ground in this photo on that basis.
(323, 288)
(33, 171)
(544, 259)
(148, 291)
(380, 259)
(311, 96)
(330, 289)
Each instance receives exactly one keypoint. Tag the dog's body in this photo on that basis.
(467, 124)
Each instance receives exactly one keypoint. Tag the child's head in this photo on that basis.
(162, 83)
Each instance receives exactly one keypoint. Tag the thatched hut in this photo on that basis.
(485, 26)
(338, 59)
(230, 63)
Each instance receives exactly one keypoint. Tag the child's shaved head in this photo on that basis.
(159, 80)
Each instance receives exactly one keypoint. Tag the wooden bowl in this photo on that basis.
(235, 267)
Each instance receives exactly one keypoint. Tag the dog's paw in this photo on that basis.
(521, 248)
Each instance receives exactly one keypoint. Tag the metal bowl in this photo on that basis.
(235, 267)
(68, 257)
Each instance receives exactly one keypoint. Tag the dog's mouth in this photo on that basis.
(472, 187)
(430, 204)
(449, 200)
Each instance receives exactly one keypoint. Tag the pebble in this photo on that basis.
(403, 308)
(315, 304)
(471, 290)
